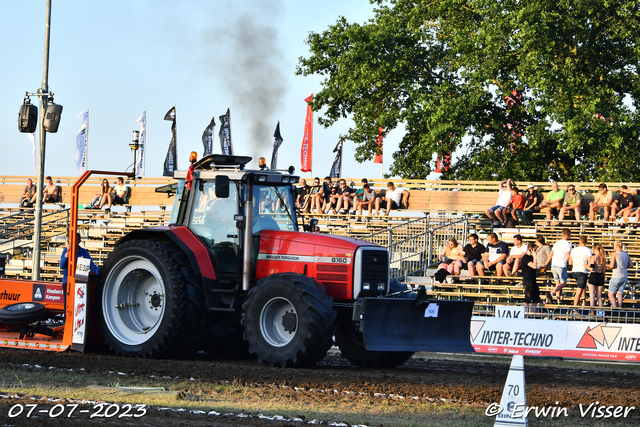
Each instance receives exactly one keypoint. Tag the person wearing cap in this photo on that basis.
(262, 163)
(572, 201)
(504, 197)
(532, 200)
(554, 200)
(602, 202)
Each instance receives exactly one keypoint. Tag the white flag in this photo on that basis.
(82, 143)
(142, 121)
(32, 138)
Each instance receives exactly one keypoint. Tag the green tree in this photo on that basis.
(532, 90)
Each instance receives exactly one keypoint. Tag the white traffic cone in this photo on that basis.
(514, 400)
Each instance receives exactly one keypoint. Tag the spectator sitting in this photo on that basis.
(28, 194)
(579, 258)
(531, 288)
(494, 257)
(118, 193)
(532, 200)
(618, 265)
(80, 253)
(102, 197)
(572, 201)
(50, 193)
(315, 196)
(392, 199)
(624, 205)
(542, 254)
(559, 256)
(554, 200)
(515, 204)
(332, 203)
(473, 254)
(367, 201)
(452, 256)
(512, 263)
(345, 197)
(325, 193)
(602, 203)
(302, 199)
(597, 268)
(504, 197)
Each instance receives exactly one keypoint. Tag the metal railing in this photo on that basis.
(22, 229)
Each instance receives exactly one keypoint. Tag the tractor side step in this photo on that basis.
(222, 309)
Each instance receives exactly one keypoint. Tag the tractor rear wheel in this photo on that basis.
(289, 321)
(150, 305)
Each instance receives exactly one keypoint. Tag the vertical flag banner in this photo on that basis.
(336, 167)
(82, 143)
(307, 139)
(276, 144)
(142, 121)
(378, 157)
(225, 134)
(207, 137)
(32, 138)
(170, 162)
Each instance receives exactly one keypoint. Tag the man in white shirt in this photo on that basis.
(392, 199)
(559, 256)
(579, 258)
(512, 263)
(118, 193)
(504, 197)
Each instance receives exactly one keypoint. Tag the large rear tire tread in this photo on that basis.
(178, 332)
(315, 314)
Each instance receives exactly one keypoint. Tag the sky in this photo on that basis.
(119, 58)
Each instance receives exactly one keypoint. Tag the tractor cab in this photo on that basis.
(220, 202)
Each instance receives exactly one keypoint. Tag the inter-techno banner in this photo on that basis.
(307, 140)
(513, 334)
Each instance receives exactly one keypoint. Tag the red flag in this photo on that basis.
(442, 165)
(378, 157)
(307, 139)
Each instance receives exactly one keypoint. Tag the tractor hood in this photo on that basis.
(340, 264)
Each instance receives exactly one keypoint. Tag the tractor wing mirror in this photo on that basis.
(222, 186)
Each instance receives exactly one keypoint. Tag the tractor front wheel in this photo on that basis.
(289, 321)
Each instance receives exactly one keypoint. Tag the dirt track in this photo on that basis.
(457, 382)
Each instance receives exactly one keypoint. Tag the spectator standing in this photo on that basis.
(597, 267)
(504, 197)
(559, 256)
(619, 263)
(579, 258)
(28, 194)
(531, 288)
(452, 256)
(80, 253)
(572, 201)
(392, 199)
(512, 263)
(473, 254)
(554, 200)
(532, 200)
(624, 205)
(494, 257)
(50, 193)
(601, 203)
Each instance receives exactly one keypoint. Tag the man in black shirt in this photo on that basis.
(473, 254)
(303, 195)
(531, 288)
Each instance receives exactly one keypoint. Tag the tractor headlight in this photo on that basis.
(366, 286)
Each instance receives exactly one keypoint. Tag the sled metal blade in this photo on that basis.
(391, 324)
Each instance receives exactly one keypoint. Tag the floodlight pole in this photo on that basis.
(43, 93)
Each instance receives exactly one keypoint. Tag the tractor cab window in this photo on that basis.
(273, 208)
(212, 221)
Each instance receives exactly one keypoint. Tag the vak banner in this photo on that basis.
(276, 144)
(207, 137)
(225, 133)
(170, 162)
(142, 144)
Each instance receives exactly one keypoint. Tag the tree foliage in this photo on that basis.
(448, 73)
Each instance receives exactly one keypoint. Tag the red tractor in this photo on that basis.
(231, 273)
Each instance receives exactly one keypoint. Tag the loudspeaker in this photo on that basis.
(28, 118)
(52, 117)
